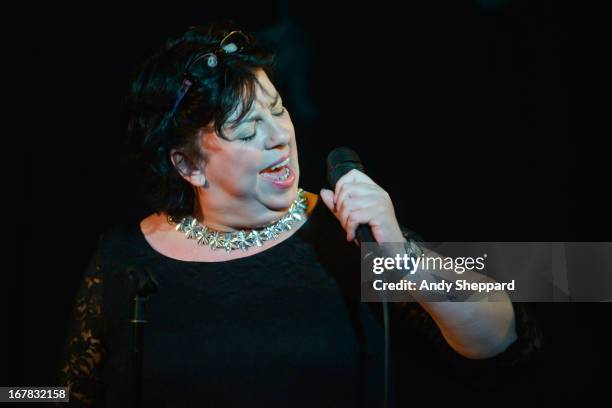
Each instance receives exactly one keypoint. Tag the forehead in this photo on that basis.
(264, 94)
(264, 85)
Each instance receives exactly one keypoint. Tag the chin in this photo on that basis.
(284, 200)
(280, 201)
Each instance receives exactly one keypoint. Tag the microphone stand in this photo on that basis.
(364, 234)
(339, 162)
(144, 286)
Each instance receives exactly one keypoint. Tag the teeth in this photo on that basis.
(281, 164)
(281, 175)
(284, 176)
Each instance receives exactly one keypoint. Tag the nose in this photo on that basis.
(278, 137)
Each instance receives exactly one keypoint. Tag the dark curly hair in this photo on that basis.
(215, 93)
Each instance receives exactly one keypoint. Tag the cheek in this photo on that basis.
(288, 125)
(238, 168)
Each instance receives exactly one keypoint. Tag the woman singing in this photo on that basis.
(257, 300)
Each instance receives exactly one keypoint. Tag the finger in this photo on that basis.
(328, 198)
(357, 218)
(353, 204)
(344, 209)
(357, 189)
(347, 178)
(353, 176)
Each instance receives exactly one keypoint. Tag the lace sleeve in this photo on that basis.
(83, 351)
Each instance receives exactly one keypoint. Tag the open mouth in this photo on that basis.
(278, 172)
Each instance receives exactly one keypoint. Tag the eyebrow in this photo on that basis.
(274, 102)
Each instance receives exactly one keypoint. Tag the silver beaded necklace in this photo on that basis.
(243, 239)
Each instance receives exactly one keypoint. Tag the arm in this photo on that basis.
(412, 317)
(476, 329)
(84, 347)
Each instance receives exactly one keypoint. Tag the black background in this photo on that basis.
(459, 109)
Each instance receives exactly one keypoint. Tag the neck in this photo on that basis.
(240, 216)
(230, 240)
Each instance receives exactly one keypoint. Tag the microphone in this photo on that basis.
(340, 161)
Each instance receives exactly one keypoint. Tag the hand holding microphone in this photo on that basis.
(358, 200)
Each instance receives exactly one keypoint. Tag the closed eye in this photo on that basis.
(246, 139)
(280, 113)
(251, 137)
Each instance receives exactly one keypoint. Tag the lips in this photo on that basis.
(283, 178)
(275, 163)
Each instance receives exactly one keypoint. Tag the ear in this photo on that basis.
(190, 171)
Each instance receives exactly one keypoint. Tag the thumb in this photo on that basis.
(328, 198)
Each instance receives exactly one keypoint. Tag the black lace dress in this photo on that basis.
(283, 327)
